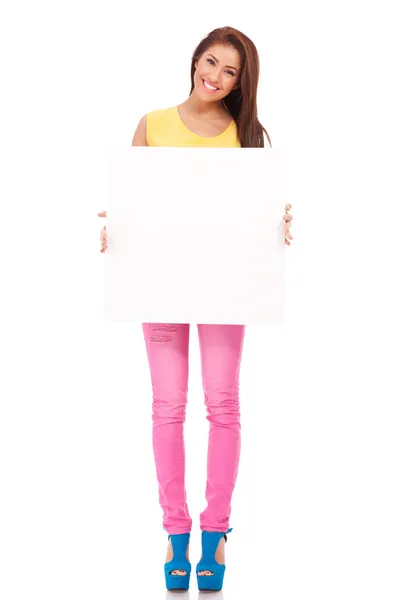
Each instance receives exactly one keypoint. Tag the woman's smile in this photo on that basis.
(209, 87)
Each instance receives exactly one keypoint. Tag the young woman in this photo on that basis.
(221, 111)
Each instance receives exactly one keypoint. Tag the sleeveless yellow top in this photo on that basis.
(166, 128)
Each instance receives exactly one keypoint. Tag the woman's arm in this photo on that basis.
(140, 137)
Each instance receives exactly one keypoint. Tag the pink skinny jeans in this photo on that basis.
(167, 347)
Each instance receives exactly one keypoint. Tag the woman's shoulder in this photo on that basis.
(160, 112)
(161, 126)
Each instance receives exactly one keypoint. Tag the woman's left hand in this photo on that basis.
(288, 222)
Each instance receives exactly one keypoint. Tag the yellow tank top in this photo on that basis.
(166, 128)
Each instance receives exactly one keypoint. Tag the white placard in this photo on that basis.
(196, 235)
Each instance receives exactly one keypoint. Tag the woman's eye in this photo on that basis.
(210, 60)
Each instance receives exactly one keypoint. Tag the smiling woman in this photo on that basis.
(221, 111)
(225, 71)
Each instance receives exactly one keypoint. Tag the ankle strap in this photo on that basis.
(229, 530)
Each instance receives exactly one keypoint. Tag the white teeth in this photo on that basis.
(209, 87)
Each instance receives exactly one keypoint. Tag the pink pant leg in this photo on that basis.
(221, 352)
(167, 347)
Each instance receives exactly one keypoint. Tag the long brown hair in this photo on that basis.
(241, 102)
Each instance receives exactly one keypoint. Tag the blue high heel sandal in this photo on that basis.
(179, 561)
(209, 543)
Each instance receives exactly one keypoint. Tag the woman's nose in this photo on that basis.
(215, 79)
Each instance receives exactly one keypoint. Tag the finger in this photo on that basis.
(288, 206)
(103, 213)
(286, 242)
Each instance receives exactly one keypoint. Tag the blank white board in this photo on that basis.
(196, 235)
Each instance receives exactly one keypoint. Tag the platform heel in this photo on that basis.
(209, 544)
(179, 561)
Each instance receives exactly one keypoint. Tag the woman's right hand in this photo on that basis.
(103, 233)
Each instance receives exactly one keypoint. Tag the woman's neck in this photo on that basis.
(197, 107)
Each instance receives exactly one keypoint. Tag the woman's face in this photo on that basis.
(217, 72)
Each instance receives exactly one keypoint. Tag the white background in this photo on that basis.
(315, 511)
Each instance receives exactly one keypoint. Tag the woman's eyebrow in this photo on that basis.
(216, 59)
